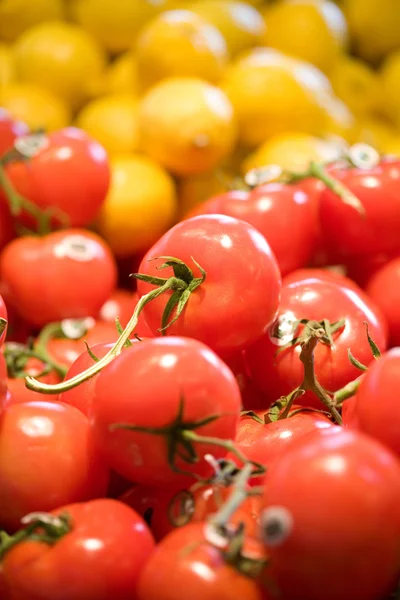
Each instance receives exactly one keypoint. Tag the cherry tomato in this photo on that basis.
(331, 520)
(69, 172)
(18, 390)
(269, 208)
(7, 231)
(100, 557)
(376, 408)
(186, 560)
(362, 268)
(265, 443)
(384, 289)
(349, 233)
(119, 305)
(64, 274)
(252, 397)
(242, 284)
(278, 374)
(322, 275)
(175, 383)
(10, 129)
(47, 457)
(4, 393)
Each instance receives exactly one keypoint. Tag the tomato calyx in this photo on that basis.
(3, 325)
(180, 436)
(182, 284)
(40, 527)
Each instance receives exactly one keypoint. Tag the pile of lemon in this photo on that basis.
(182, 92)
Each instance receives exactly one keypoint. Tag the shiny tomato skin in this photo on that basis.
(384, 289)
(48, 457)
(145, 386)
(19, 393)
(321, 274)
(65, 274)
(334, 500)
(184, 560)
(271, 208)
(242, 284)
(119, 305)
(70, 173)
(349, 233)
(266, 443)
(277, 375)
(100, 558)
(376, 408)
(10, 130)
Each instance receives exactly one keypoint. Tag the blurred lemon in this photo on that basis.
(390, 79)
(292, 151)
(140, 205)
(314, 30)
(241, 25)
(356, 84)
(179, 43)
(374, 26)
(18, 15)
(60, 57)
(121, 75)
(115, 23)
(339, 121)
(376, 132)
(37, 107)
(393, 146)
(7, 66)
(272, 93)
(112, 121)
(187, 125)
(194, 190)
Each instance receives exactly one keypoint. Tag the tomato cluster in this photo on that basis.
(222, 425)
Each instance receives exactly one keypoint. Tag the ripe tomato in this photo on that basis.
(322, 275)
(65, 274)
(105, 550)
(10, 129)
(186, 560)
(252, 397)
(269, 208)
(331, 520)
(173, 383)
(278, 375)
(242, 284)
(119, 305)
(265, 443)
(16, 385)
(69, 173)
(349, 233)
(47, 458)
(375, 407)
(384, 289)
(363, 268)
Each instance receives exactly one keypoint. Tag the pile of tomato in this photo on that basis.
(199, 300)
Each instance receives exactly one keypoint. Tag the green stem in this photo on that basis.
(347, 391)
(318, 171)
(235, 500)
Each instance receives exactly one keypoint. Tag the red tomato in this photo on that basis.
(69, 172)
(7, 231)
(66, 351)
(147, 386)
(349, 233)
(278, 375)
(376, 409)
(10, 130)
(119, 305)
(270, 208)
(331, 519)
(322, 275)
(363, 268)
(4, 393)
(384, 289)
(100, 558)
(252, 397)
(64, 274)
(18, 390)
(47, 458)
(240, 295)
(186, 560)
(265, 443)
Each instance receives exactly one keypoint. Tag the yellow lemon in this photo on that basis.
(314, 30)
(121, 75)
(179, 43)
(339, 120)
(112, 121)
(241, 24)
(7, 66)
(292, 152)
(374, 26)
(390, 79)
(140, 205)
(60, 57)
(187, 125)
(194, 190)
(272, 93)
(376, 132)
(393, 146)
(37, 107)
(115, 23)
(18, 15)
(356, 84)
